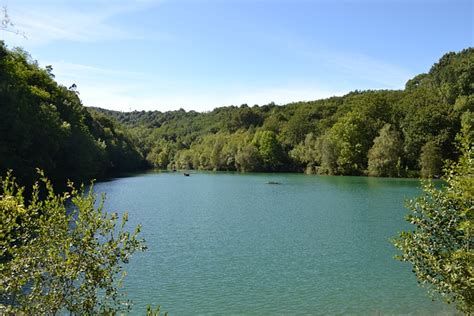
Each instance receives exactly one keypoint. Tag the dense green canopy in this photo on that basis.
(440, 245)
(381, 133)
(43, 124)
(339, 135)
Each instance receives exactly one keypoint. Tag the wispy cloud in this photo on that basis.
(350, 65)
(129, 90)
(126, 98)
(114, 98)
(365, 68)
(51, 20)
(73, 71)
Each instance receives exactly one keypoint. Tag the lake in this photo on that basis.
(228, 243)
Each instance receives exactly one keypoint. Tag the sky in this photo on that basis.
(201, 54)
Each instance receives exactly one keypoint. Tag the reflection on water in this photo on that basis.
(229, 243)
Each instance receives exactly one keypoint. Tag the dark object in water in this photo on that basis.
(273, 182)
(186, 174)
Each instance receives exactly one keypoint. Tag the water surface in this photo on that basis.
(222, 243)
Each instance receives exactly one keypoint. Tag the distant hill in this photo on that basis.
(338, 135)
(381, 133)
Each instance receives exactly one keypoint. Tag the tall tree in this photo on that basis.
(269, 149)
(44, 124)
(431, 161)
(384, 156)
(328, 150)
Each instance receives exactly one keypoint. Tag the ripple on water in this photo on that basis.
(223, 243)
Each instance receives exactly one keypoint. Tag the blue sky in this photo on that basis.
(201, 54)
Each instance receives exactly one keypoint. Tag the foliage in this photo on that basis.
(307, 153)
(269, 149)
(247, 159)
(440, 247)
(297, 127)
(154, 312)
(430, 160)
(351, 136)
(57, 259)
(45, 125)
(330, 136)
(384, 156)
(327, 148)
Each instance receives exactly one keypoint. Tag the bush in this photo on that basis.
(440, 247)
(56, 259)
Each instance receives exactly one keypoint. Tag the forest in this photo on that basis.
(395, 133)
(44, 125)
(75, 268)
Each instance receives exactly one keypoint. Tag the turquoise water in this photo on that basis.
(222, 243)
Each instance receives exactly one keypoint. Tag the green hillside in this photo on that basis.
(44, 125)
(380, 133)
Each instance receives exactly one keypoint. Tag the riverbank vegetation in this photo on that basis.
(44, 125)
(49, 266)
(440, 247)
(395, 133)
(405, 132)
(61, 253)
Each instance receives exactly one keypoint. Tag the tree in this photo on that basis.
(440, 246)
(244, 117)
(56, 259)
(44, 124)
(343, 128)
(352, 136)
(296, 128)
(426, 117)
(384, 156)
(216, 157)
(328, 151)
(431, 160)
(247, 158)
(269, 149)
(306, 153)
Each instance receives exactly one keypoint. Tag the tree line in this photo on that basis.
(60, 250)
(395, 133)
(49, 266)
(44, 125)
